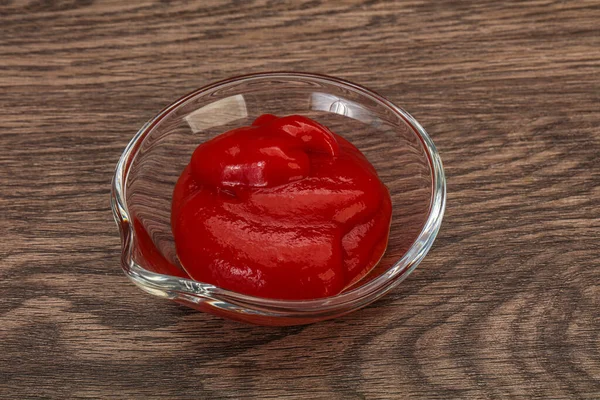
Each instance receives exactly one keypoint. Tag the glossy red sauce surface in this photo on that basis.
(281, 209)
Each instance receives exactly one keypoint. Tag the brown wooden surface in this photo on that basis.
(505, 305)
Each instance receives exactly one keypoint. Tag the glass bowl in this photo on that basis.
(393, 141)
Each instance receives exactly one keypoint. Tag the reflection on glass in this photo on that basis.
(338, 105)
(219, 113)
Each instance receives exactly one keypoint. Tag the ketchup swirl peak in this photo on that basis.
(282, 209)
(271, 152)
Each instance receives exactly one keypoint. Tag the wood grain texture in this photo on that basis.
(506, 303)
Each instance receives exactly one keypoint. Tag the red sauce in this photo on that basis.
(281, 209)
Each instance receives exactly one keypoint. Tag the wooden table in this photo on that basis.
(505, 305)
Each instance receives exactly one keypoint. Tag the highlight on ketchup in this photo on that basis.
(282, 209)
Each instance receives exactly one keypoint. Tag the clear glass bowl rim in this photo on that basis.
(174, 287)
